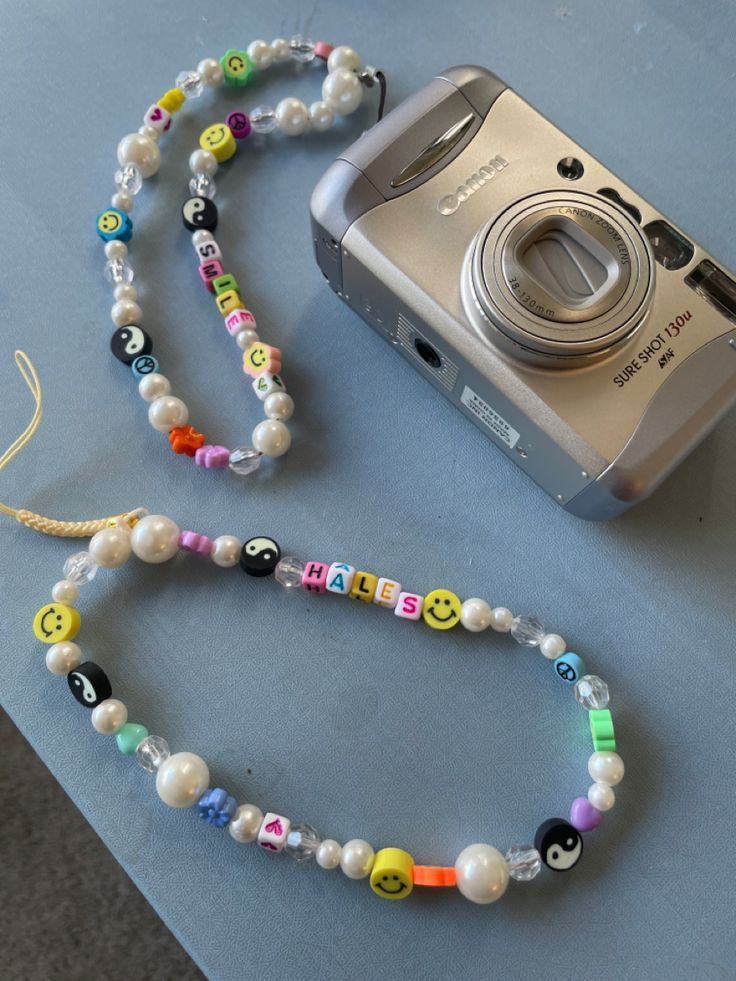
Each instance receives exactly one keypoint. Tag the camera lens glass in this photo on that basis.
(427, 353)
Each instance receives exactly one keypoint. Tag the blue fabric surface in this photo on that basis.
(326, 710)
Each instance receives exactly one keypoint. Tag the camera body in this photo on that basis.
(589, 338)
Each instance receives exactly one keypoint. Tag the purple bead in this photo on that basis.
(212, 457)
(583, 816)
(216, 807)
(238, 124)
(191, 541)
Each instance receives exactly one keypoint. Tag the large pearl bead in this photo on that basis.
(110, 547)
(141, 151)
(271, 438)
(606, 767)
(482, 873)
(356, 858)
(182, 779)
(155, 538)
(343, 56)
(167, 412)
(342, 91)
(475, 615)
(292, 116)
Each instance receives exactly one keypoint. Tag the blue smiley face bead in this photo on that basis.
(570, 668)
(114, 224)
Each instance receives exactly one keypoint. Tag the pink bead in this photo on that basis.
(209, 271)
(323, 50)
(212, 457)
(240, 319)
(314, 579)
(190, 541)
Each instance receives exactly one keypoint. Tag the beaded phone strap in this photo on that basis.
(139, 158)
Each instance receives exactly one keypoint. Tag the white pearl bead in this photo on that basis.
(552, 646)
(116, 249)
(501, 619)
(109, 716)
(260, 53)
(475, 615)
(64, 591)
(155, 538)
(245, 823)
(182, 779)
(126, 312)
(203, 162)
(167, 412)
(245, 337)
(211, 71)
(342, 91)
(605, 767)
(271, 438)
(356, 858)
(280, 49)
(150, 132)
(63, 657)
(279, 405)
(226, 551)
(292, 116)
(122, 201)
(321, 116)
(125, 291)
(328, 854)
(201, 236)
(601, 796)
(153, 386)
(482, 873)
(343, 56)
(110, 547)
(140, 150)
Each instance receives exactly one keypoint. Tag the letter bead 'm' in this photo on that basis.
(364, 586)
(240, 319)
(158, 118)
(273, 832)
(387, 593)
(392, 873)
(209, 272)
(340, 578)
(228, 301)
(225, 282)
(601, 729)
(55, 622)
(260, 357)
(409, 607)
(314, 579)
(266, 383)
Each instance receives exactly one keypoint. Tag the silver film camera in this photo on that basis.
(586, 335)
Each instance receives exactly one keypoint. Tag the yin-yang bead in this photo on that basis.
(199, 213)
(128, 343)
(260, 556)
(89, 684)
(559, 844)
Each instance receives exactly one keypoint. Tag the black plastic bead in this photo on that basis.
(199, 213)
(260, 556)
(559, 844)
(128, 343)
(89, 684)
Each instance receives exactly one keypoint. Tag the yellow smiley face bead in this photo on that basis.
(392, 875)
(219, 140)
(441, 609)
(236, 66)
(55, 622)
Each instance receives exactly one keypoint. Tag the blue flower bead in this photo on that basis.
(216, 807)
(112, 223)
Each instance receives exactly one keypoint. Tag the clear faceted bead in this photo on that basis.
(244, 460)
(289, 572)
(190, 83)
(524, 862)
(80, 568)
(128, 179)
(202, 185)
(151, 752)
(302, 842)
(263, 119)
(118, 271)
(592, 692)
(301, 49)
(527, 631)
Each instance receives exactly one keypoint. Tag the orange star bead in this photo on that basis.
(185, 439)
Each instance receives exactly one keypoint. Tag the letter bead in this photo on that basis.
(266, 383)
(225, 282)
(340, 578)
(273, 832)
(158, 117)
(219, 141)
(261, 357)
(409, 606)
(228, 301)
(210, 272)
(240, 319)
(314, 579)
(55, 622)
(364, 586)
(208, 251)
(387, 593)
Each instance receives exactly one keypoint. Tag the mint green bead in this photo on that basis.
(129, 736)
(601, 729)
(224, 283)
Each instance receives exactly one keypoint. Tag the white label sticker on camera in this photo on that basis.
(489, 417)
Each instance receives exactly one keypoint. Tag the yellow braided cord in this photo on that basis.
(48, 526)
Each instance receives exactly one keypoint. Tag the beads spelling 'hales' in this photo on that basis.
(198, 212)
(364, 586)
(340, 577)
(392, 873)
(56, 622)
(260, 556)
(409, 606)
(441, 609)
(592, 692)
(273, 832)
(314, 579)
(387, 593)
(89, 684)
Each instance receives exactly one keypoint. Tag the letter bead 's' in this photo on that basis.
(89, 684)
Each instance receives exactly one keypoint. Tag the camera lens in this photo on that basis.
(427, 353)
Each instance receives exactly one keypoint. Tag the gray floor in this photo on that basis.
(67, 909)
